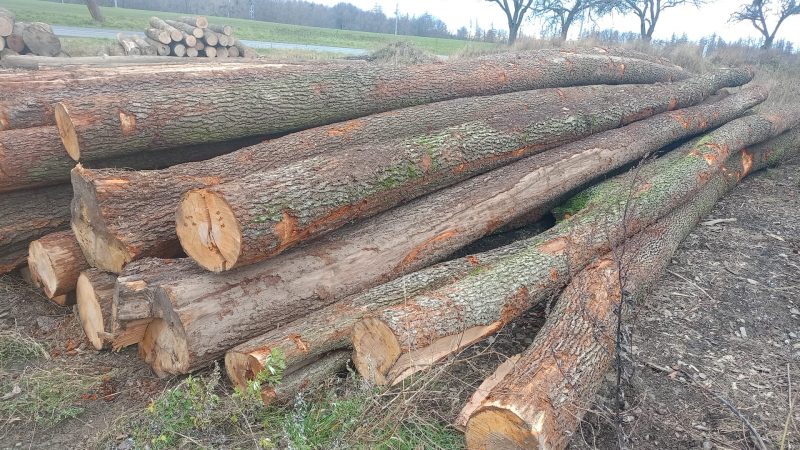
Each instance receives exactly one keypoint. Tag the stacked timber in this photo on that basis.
(21, 38)
(339, 234)
(185, 36)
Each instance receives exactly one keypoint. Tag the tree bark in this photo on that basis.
(155, 34)
(56, 261)
(186, 28)
(145, 47)
(227, 30)
(161, 49)
(40, 39)
(245, 51)
(15, 41)
(103, 126)
(29, 215)
(6, 22)
(256, 217)
(195, 21)
(95, 295)
(128, 45)
(174, 33)
(429, 327)
(94, 10)
(540, 402)
(143, 208)
(401, 240)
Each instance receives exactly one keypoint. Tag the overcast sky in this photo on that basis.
(696, 23)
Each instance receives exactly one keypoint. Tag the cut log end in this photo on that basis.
(208, 230)
(91, 314)
(241, 368)
(103, 252)
(375, 350)
(501, 429)
(165, 349)
(42, 270)
(66, 129)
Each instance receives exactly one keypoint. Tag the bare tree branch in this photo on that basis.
(515, 13)
(757, 11)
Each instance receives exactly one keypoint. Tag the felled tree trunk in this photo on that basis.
(244, 51)
(56, 261)
(174, 33)
(259, 216)
(405, 339)
(6, 22)
(197, 32)
(136, 217)
(195, 21)
(40, 39)
(14, 41)
(540, 402)
(261, 297)
(95, 295)
(29, 215)
(104, 126)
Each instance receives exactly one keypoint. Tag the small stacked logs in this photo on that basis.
(20, 38)
(186, 36)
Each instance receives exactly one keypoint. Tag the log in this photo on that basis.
(34, 157)
(29, 215)
(199, 46)
(56, 261)
(306, 379)
(540, 402)
(94, 296)
(158, 35)
(222, 52)
(128, 45)
(258, 298)
(6, 22)
(210, 38)
(227, 30)
(223, 41)
(244, 51)
(195, 21)
(93, 127)
(399, 341)
(174, 33)
(145, 47)
(186, 28)
(15, 41)
(233, 52)
(189, 40)
(129, 236)
(258, 216)
(308, 338)
(40, 39)
(192, 52)
(177, 50)
(210, 51)
(161, 49)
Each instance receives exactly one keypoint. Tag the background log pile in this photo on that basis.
(21, 38)
(340, 233)
(185, 36)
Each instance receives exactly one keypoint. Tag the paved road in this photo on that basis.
(112, 34)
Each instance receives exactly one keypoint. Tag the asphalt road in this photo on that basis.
(106, 33)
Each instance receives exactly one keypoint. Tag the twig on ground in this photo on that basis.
(790, 412)
(692, 283)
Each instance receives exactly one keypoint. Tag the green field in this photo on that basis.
(134, 19)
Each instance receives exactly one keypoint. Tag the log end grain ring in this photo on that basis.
(241, 368)
(208, 230)
(375, 350)
(500, 429)
(66, 129)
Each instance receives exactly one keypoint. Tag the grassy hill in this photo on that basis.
(134, 19)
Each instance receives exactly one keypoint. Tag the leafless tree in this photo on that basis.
(94, 10)
(563, 13)
(649, 11)
(757, 12)
(515, 12)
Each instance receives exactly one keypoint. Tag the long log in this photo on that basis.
(245, 51)
(101, 126)
(14, 41)
(145, 47)
(128, 45)
(135, 217)
(210, 38)
(197, 32)
(227, 30)
(258, 298)
(540, 402)
(174, 33)
(407, 338)
(195, 21)
(94, 296)
(29, 215)
(6, 22)
(161, 49)
(155, 34)
(40, 39)
(56, 261)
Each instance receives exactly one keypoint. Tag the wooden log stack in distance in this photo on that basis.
(21, 38)
(187, 37)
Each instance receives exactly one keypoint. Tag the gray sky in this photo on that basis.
(696, 23)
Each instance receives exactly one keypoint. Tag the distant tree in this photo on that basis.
(561, 14)
(94, 10)
(462, 33)
(515, 13)
(648, 12)
(758, 11)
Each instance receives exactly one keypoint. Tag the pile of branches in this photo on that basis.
(185, 36)
(336, 239)
(21, 38)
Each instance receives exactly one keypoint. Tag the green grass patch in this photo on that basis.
(84, 46)
(132, 19)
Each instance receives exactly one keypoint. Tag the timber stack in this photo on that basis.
(21, 38)
(335, 241)
(185, 36)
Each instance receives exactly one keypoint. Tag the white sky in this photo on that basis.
(696, 23)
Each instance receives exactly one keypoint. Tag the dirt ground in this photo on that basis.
(723, 327)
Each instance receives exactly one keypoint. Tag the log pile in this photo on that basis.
(339, 234)
(21, 38)
(184, 37)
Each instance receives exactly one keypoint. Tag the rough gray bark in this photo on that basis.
(102, 126)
